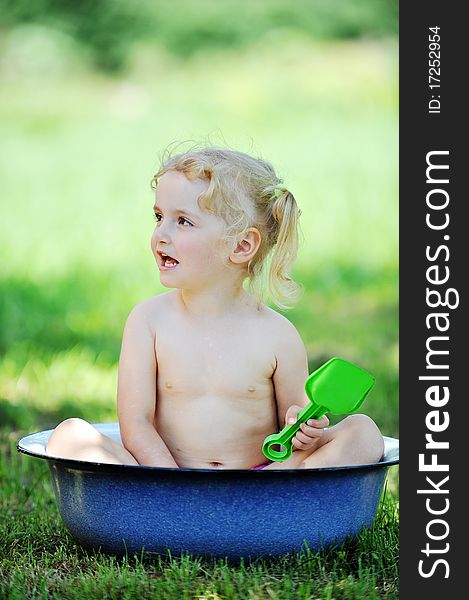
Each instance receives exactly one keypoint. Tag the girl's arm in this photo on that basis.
(136, 393)
(289, 380)
(291, 370)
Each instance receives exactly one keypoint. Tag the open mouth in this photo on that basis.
(168, 262)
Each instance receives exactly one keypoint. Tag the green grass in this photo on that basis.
(78, 153)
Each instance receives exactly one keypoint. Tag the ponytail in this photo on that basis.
(285, 213)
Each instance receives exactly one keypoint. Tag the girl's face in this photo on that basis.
(187, 241)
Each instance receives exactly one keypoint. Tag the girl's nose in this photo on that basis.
(162, 233)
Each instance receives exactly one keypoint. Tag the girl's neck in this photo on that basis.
(214, 302)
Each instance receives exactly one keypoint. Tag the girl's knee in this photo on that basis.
(362, 423)
(73, 426)
(364, 428)
(69, 431)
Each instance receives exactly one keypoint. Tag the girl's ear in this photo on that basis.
(246, 247)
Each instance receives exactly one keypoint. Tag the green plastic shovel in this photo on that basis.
(338, 387)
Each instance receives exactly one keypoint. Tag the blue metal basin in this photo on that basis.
(221, 513)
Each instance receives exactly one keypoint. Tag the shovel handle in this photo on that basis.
(284, 437)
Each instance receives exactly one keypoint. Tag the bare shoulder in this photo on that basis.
(280, 329)
(291, 357)
(149, 311)
(277, 322)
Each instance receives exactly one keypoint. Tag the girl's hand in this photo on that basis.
(310, 433)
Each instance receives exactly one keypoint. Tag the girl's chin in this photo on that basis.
(168, 280)
(165, 276)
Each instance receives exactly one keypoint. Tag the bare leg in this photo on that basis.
(355, 440)
(76, 438)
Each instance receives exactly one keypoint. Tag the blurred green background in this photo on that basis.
(93, 91)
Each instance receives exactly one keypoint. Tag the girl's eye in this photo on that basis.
(157, 217)
(184, 221)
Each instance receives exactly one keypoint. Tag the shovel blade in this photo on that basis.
(339, 385)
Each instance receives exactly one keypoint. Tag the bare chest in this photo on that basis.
(214, 364)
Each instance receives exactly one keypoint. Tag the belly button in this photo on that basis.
(252, 389)
(168, 385)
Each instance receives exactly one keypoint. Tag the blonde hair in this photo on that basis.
(246, 192)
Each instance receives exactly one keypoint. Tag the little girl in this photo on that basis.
(207, 370)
